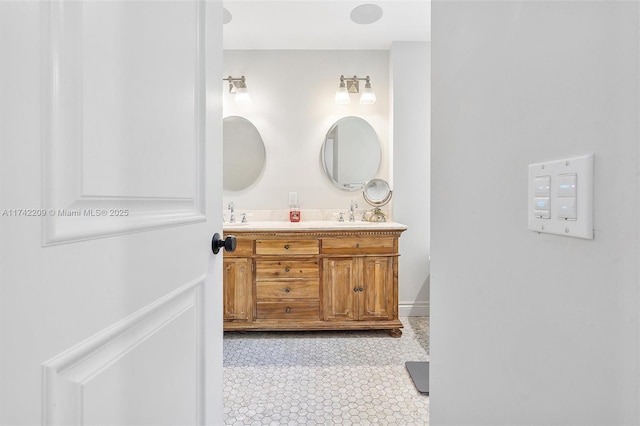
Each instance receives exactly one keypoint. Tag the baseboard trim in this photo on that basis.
(415, 309)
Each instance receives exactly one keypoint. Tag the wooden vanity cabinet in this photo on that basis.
(312, 280)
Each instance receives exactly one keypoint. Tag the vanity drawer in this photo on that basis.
(244, 247)
(267, 247)
(300, 289)
(269, 269)
(356, 245)
(288, 310)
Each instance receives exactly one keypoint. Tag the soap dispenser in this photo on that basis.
(294, 208)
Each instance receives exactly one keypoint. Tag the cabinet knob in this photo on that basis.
(361, 289)
(357, 245)
(287, 290)
(355, 289)
(287, 269)
(286, 246)
(288, 309)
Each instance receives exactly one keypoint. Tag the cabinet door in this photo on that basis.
(340, 278)
(237, 289)
(376, 301)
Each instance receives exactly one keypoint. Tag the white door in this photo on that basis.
(110, 146)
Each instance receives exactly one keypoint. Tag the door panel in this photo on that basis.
(377, 297)
(106, 379)
(237, 289)
(111, 307)
(340, 300)
(124, 135)
(124, 76)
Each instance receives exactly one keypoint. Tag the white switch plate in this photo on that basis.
(582, 226)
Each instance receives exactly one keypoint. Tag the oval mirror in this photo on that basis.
(243, 153)
(351, 153)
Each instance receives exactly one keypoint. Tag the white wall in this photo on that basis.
(293, 108)
(529, 328)
(410, 86)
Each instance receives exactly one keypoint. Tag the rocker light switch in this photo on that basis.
(542, 186)
(567, 185)
(567, 208)
(542, 203)
(542, 208)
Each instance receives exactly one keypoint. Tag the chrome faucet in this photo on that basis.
(232, 217)
(352, 211)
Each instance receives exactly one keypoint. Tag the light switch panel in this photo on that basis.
(569, 200)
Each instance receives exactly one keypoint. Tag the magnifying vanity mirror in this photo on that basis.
(351, 153)
(244, 154)
(377, 193)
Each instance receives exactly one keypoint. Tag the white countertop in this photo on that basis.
(312, 225)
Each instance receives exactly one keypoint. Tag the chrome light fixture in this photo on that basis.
(351, 85)
(238, 87)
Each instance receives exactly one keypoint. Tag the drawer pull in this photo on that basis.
(288, 309)
(287, 290)
(357, 245)
(287, 269)
(286, 246)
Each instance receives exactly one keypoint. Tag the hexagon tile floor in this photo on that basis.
(325, 377)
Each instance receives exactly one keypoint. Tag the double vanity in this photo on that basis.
(313, 275)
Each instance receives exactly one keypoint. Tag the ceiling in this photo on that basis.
(307, 24)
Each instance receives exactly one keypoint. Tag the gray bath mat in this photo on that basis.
(419, 373)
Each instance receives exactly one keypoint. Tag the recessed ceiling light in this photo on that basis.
(226, 16)
(366, 14)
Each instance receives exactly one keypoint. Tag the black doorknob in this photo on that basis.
(228, 243)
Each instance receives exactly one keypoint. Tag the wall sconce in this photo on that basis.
(238, 87)
(349, 85)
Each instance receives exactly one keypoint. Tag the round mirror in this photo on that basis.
(377, 193)
(351, 153)
(243, 153)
